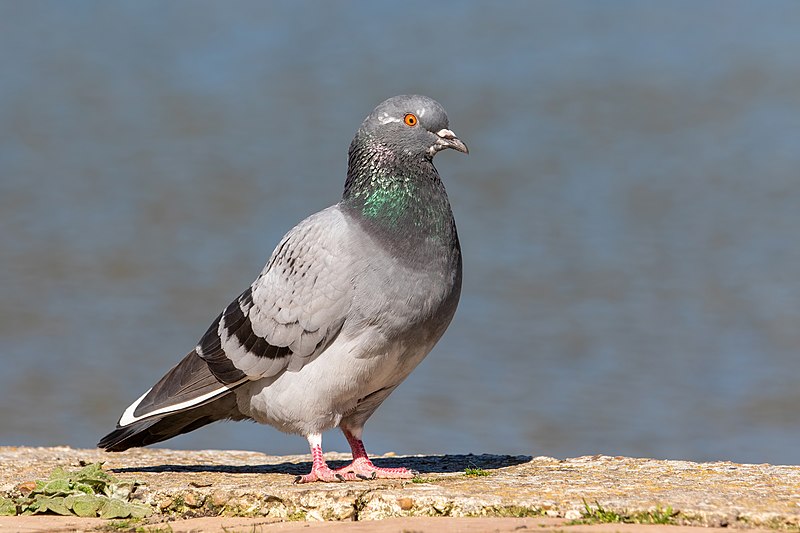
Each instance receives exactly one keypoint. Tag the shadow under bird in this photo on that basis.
(350, 302)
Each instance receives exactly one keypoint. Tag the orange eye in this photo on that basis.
(410, 119)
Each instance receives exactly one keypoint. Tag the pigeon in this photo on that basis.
(352, 299)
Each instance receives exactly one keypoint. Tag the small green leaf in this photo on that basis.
(7, 507)
(120, 490)
(139, 510)
(26, 506)
(53, 504)
(83, 487)
(59, 473)
(85, 505)
(36, 504)
(91, 470)
(113, 508)
(57, 486)
(94, 474)
(96, 484)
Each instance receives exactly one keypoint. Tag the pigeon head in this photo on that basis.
(391, 179)
(412, 125)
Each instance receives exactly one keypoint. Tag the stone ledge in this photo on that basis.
(238, 483)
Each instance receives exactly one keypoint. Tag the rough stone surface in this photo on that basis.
(238, 483)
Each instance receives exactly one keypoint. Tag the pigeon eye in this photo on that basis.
(410, 119)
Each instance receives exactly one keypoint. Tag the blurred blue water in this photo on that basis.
(628, 211)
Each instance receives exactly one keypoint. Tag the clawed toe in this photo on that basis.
(366, 471)
(321, 474)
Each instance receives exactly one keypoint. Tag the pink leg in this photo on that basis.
(362, 467)
(319, 468)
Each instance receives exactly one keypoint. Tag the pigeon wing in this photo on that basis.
(289, 315)
(292, 311)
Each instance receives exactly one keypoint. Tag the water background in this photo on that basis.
(629, 212)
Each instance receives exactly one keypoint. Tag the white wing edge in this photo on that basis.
(128, 418)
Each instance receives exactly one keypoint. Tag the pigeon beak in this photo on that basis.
(448, 139)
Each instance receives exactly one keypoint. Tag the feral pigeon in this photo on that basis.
(350, 302)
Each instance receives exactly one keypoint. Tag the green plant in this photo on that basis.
(297, 516)
(471, 471)
(600, 515)
(154, 529)
(516, 511)
(7, 507)
(657, 516)
(131, 526)
(119, 525)
(88, 492)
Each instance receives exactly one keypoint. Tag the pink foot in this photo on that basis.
(319, 468)
(362, 468)
(324, 473)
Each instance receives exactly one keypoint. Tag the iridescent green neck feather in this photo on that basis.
(388, 198)
(396, 194)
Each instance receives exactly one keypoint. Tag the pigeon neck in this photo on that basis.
(393, 192)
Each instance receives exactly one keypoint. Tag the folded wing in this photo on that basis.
(287, 317)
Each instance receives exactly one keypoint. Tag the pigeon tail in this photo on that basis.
(187, 397)
(157, 429)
